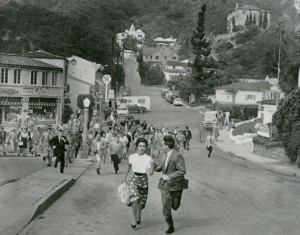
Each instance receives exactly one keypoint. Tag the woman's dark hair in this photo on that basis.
(141, 140)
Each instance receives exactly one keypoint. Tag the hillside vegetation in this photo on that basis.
(85, 27)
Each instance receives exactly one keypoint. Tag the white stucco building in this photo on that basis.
(240, 14)
(84, 77)
(133, 32)
(174, 69)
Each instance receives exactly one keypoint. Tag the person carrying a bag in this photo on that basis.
(138, 164)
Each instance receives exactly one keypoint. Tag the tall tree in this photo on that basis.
(247, 21)
(265, 21)
(250, 19)
(200, 46)
(254, 20)
(260, 21)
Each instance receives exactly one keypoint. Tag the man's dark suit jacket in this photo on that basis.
(60, 145)
(175, 171)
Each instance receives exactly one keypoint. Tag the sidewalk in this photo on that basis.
(24, 200)
(229, 146)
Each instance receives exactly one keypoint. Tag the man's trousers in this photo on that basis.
(170, 200)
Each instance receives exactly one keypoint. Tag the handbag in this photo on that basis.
(123, 192)
(20, 143)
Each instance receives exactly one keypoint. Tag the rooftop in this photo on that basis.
(149, 50)
(41, 54)
(12, 60)
(243, 86)
(176, 63)
(251, 8)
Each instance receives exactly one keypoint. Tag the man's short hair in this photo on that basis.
(169, 141)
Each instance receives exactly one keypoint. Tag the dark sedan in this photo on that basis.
(136, 109)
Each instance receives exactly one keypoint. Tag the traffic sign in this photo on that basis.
(106, 79)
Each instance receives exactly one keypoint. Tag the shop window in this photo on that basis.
(42, 109)
(12, 108)
(33, 77)
(4, 76)
(17, 76)
(54, 79)
(45, 79)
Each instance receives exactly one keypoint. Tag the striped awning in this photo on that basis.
(10, 103)
(43, 104)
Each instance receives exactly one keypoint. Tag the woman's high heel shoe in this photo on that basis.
(138, 222)
(133, 226)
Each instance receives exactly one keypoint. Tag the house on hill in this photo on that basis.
(175, 69)
(247, 15)
(242, 93)
(159, 55)
(138, 34)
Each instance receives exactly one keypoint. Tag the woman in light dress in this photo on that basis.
(138, 164)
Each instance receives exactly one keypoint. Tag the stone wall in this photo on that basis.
(277, 153)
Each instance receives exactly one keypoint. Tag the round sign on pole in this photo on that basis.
(106, 79)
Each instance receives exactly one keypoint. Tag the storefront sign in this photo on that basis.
(35, 90)
(264, 131)
(9, 91)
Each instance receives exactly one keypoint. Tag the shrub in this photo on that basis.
(237, 28)
(287, 121)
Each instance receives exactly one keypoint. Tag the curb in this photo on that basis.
(264, 166)
(46, 203)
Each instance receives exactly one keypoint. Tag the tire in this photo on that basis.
(141, 111)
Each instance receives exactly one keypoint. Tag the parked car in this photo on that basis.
(177, 102)
(122, 110)
(164, 92)
(128, 119)
(134, 108)
(168, 96)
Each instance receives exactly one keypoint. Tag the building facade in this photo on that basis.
(84, 77)
(135, 33)
(247, 12)
(29, 88)
(159, 55)
(242, 93)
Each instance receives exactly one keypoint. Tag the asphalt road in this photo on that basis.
(15, 168)
(225, 195)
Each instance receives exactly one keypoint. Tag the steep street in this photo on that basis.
(225, 196)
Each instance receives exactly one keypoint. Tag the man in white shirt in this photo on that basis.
(210, 140)
(227, 116)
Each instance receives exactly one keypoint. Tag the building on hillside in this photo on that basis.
(175, 69)
(30, 88)
(84, 77)
(159, 55)
(134, 33)
(248, 14)
(168, 42)
(241, 93)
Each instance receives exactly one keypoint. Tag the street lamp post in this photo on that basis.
(100, 108)
(86, 104)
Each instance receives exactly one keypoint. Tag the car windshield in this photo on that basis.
(122, 108)
(178, 99)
